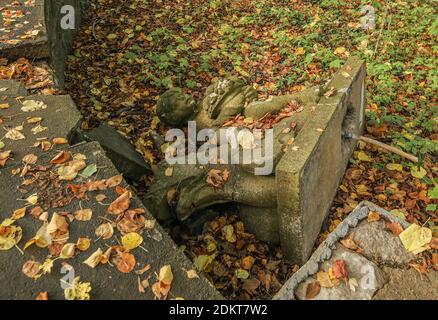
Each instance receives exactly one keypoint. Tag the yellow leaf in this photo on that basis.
(131, 240)
(19, 213)
(415, 237)
(67, 251)
(340, 50)
(83, 244)
(33, 199)
(394, 167)
(324, 279)
(300, 51)
(418, 172)
(166, 275)
(228, 233)
(362, 156)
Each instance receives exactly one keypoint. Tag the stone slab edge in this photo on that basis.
(324, 251)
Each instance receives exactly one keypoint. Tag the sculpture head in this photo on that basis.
(175, 108)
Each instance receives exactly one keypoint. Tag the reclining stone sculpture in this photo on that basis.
(309, 154)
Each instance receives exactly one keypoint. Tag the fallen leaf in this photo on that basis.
(395, 227)
(42, 296)
(31, 269)
(146, 268)
(313, 290)
(32, 105)
(228, 233)
(324, 279)
(61, 157)
(339, 269)
(19, 213)
(121, 204)
(191, 274)
(414, 238)
(373, 216)
(131, 240)
(83, 244)
(67, 251)
(105, 231)
(94, 259)
(83, 215)
(248, 262)
(126, 263)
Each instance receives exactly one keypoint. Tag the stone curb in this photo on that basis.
(324, 251)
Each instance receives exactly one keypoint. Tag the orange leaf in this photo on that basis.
(121, 204)
(126, 263)
(395, 227)
(61, 157)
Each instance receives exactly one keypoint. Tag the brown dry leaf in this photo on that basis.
(247, 262)
(349, 243)
(83, 244)
(217, 178)
(373, 216)
(94, 259)
(30, 159)
(140, 286)
(435, 259)
(421, 268)
(434, 244)
(61, 157)
(395, 227)
(114, 181)
(57, 223)
(4, 156)
(83, 215)
(171, 195)
(19, 213)
(147, 267)
(100, 197)
(31, 269)
(105, 231)
(42, 296)
(313, 289)
(251, 285)
(126, 263)
(121, 204)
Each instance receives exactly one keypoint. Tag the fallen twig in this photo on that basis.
(389, 148)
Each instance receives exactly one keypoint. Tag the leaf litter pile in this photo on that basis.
(239, 265)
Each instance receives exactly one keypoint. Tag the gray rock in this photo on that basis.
(368, 275)
(409, 285)
(12, 88)
(121, 152)
(380, 245)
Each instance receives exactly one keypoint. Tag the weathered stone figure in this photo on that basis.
(223, 100)
(310, 151)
